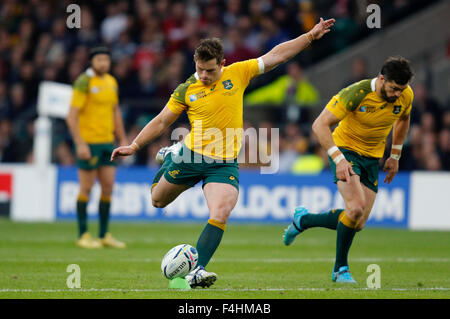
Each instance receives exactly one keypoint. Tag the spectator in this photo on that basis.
(115, 22)
(291, 91)
(359, 71)
(424, 103)
(236, 50)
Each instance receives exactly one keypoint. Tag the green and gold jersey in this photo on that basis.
(365, 118)
(96, 98)
(215, 111)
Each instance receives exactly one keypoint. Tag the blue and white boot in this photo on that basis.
(294, 228)
(342, 275)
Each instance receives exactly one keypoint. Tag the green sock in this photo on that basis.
(103, 211)
(344, 240)
(82, 216)
(208, 242)
(329, 219)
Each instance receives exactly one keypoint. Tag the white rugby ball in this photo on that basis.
(179, 261)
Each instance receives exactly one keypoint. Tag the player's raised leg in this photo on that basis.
(86, 179)
(221, 199)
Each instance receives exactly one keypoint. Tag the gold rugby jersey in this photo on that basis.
(365, 118)
(215, 111)
(96, 98)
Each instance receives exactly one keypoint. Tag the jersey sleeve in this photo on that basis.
(175, 105)
(80, 91)
(409, 101)
(248, 69)
(337, 108)
(348, 99)
(116, 89)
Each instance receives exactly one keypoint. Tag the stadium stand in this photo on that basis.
(152, 44)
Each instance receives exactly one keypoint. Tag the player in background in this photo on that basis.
(93, 119)
(213, 100)
(366, 112)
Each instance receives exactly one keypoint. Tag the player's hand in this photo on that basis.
(83, 151)
(344, 171)
(122, 151)
(391, 166)
(321, 28)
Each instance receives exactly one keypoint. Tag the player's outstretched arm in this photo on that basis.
(399, 133)
(287, 50)
(152, 130)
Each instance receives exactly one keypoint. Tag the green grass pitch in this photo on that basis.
(251, 262)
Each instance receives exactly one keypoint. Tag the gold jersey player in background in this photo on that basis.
(93, 120)
(366, 112)
(213, 100)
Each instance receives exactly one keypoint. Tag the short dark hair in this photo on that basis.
(98, 50)
(397, 69)
(208, 49)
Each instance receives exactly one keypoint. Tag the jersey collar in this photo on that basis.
(372, 84)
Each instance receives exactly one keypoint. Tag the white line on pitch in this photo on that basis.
(244, 260)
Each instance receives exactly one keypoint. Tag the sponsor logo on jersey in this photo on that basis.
(196, 96)
(95, 89)
(367, 109)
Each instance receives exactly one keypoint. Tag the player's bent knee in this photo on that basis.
(158, 204)
(355, 211)
(221, 214)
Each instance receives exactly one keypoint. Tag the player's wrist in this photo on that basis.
(335, 154)
(310, 37)
(135, 146)
(396, 150)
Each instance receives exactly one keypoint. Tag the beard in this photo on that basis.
(389, 99)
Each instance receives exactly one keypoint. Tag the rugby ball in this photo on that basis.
(179, 261)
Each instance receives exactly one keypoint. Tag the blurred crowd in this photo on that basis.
(152, 44)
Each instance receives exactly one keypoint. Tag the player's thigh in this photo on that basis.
(106, 177)
(354, 197)
(370, 196)
(86, 179)
(164, 192)
(221, 199)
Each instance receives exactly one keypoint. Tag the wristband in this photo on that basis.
(338, 158)
(135, 146)
(397, 146)
(310, 37)
(332, 149)
(395, 156)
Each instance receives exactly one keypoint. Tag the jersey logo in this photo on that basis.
(367, 109)
(95, 89)
(196, 96)
(397, 109)
(174, 173)
(383, 106)
(213, 87)
(93, 161)
(227, 84)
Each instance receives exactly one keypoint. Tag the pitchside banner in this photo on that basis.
(262, 198)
